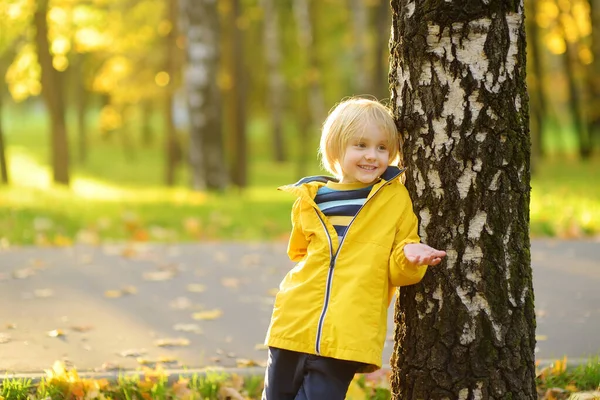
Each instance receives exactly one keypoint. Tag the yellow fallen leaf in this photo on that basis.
(62, 241)
(261, 346)
(541, 338)
(232, 283)
(167, 359)
(43, 293)
(4, 338)
(158, 275)
(23, 273)
(245, 363)
(196, 288)
(133, 352)
(129, 289)
(113, 294)
(56, 333)
(207, 315)
(82, 328)
(167, 342)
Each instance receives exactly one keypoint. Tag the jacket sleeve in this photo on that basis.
(298, 242)
(401, 272)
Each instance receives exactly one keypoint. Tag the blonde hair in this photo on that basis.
(349, 118)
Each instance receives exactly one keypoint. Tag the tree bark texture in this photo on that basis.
(467, 331)
(203, 94)
(52, 92)
(276, 83)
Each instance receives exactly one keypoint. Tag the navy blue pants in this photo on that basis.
(299, 376)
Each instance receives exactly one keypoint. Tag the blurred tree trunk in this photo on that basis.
(3, 164)
(172, 146)
(383, 21)
(4, 173)
(360, 28)
(239, 159)
(275, 77)
(310, 93)
(207, 161)
(147, 133)
(571, 63)
(537, 103)
(81, 100)
(467, 331)
(124, 133)
(53, 94)
(593, 75)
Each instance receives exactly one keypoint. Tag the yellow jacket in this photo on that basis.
(334, 302)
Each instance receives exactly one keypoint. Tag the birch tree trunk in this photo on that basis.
(458, 90)
(275, 77)
(52, 92)
(203, 96)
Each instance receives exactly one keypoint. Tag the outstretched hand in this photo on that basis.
(422, 254)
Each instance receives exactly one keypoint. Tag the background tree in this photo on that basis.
(459, 93)
(203, 94)
(53, 93)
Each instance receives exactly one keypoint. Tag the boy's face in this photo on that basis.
(366, 156)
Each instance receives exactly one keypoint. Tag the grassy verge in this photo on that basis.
(554, 382)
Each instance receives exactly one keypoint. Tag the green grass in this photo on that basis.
(115, 198)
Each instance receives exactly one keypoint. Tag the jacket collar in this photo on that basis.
(310, 184)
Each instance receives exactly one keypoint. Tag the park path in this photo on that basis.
(97, 308)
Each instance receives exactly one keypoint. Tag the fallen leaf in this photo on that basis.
(251, 259)
(133, 352)
(168, 342)
(129, 289)
(261, 346)
(192, 328)
(181, 303)
(43, 293)
(167, 359)
(245, 363)
(230, 393)
(56, 333)
(4, 338)
(208, 315)
(232, 283)
(23, 273)
(196, 288)
(113, 294)
(108, 366)
(11, 325)
(541, 338)
(158, 275)
(221, 257)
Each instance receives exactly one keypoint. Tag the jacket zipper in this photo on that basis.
(333, 258)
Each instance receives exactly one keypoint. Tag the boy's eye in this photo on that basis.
(360, 144)
(382, 147)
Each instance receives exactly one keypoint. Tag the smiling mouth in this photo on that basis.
(368, 167)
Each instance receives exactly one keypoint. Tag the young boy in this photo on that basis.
(354, 238)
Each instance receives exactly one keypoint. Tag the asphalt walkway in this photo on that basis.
(198, 305)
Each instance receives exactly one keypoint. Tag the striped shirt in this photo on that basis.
(340, 202)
